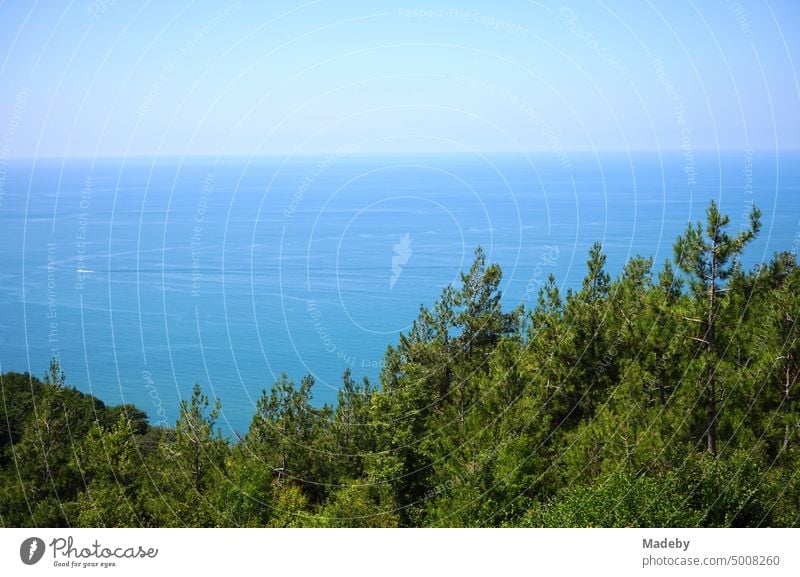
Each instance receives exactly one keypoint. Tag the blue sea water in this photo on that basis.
(145, 276)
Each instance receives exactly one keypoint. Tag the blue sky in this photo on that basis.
(112, 78)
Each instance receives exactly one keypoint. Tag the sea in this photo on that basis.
(144, 276)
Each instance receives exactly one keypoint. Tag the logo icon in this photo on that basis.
(402, 253)
(31, 551)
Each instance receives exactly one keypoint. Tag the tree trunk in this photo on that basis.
(711, 431)
(787, 386)
(197, 465)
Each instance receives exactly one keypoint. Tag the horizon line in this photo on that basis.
(346, 154)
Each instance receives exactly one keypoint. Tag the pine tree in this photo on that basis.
(193, 458)
(709, 259)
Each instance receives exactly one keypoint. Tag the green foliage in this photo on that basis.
(617, 500)
(290, 508)
(711, 257)
(190, 466)
(109, 462)
(710, 261)
(359, 504)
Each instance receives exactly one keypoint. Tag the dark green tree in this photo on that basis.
(709, 258)
(192, 465)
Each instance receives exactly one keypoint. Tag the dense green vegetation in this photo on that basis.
(659, 398)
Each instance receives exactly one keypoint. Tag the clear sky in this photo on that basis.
(108, 77)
